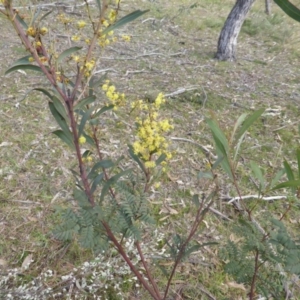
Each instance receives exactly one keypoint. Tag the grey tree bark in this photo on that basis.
(268, 6)
(229, 34)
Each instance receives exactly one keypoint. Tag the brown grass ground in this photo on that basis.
(172, 50)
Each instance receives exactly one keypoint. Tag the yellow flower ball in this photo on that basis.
(43, 30)
(81, 24)
(126, 38)
(75, 38)
(81, 140)
(31, 31)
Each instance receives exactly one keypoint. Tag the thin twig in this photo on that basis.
(128, 261)
(219, 213)
(247, 197)
(136, 72)
(198, 220)
(182, 90)
(147, 269)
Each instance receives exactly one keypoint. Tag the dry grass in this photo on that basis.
(172, 48)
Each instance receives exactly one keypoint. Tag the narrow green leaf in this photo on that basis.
(22, 22)
(135, 157)
(23, 67)
(88, 139)
(207, 175)
(22, 61)
(37, 13)
(40, 90)
(218, 133)
(287, 184)
(64, 138)
(288, 171)
(226, 167)
(237, 124)
(44, 91)
(222, 154)
(237, 147)
(87, 153)
(258, 174)
(83, 102)
(220, 147)
(67, 53)
(99, 5)
(103, 110)
(290, 9)
(129, 18)
(77, 179)
(298, 161)
(60, 120)
(278, 175)
(45, 15)
(103, 164)
(196, 201)
(111, 181)
(161, 158)
(248, 122)
(217, 162)
(84, 118)
(60, 107)
(96, 182)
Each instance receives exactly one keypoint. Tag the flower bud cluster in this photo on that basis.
(115, 98)
(151, 131)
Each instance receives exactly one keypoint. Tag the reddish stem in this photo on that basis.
(82, 169)
(101, 158)
(252, 289)
(153, 283)
(128, 261)
(198, 220)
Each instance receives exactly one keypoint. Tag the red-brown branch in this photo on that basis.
(128, 261)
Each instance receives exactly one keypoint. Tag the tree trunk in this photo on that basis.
(268, 7)
(229, 34)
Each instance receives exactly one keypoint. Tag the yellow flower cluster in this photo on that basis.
(31, 31)
(150, 132)
(87, 67)
(37, 44)
(112, 15)
(81, 140)
(81, 24)
(76, 58)
(104, 39)
(117, 99)
(62, 18)
(75, 38)
(90, 65)
(126, 38)
(87, 159)
(43, 30)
